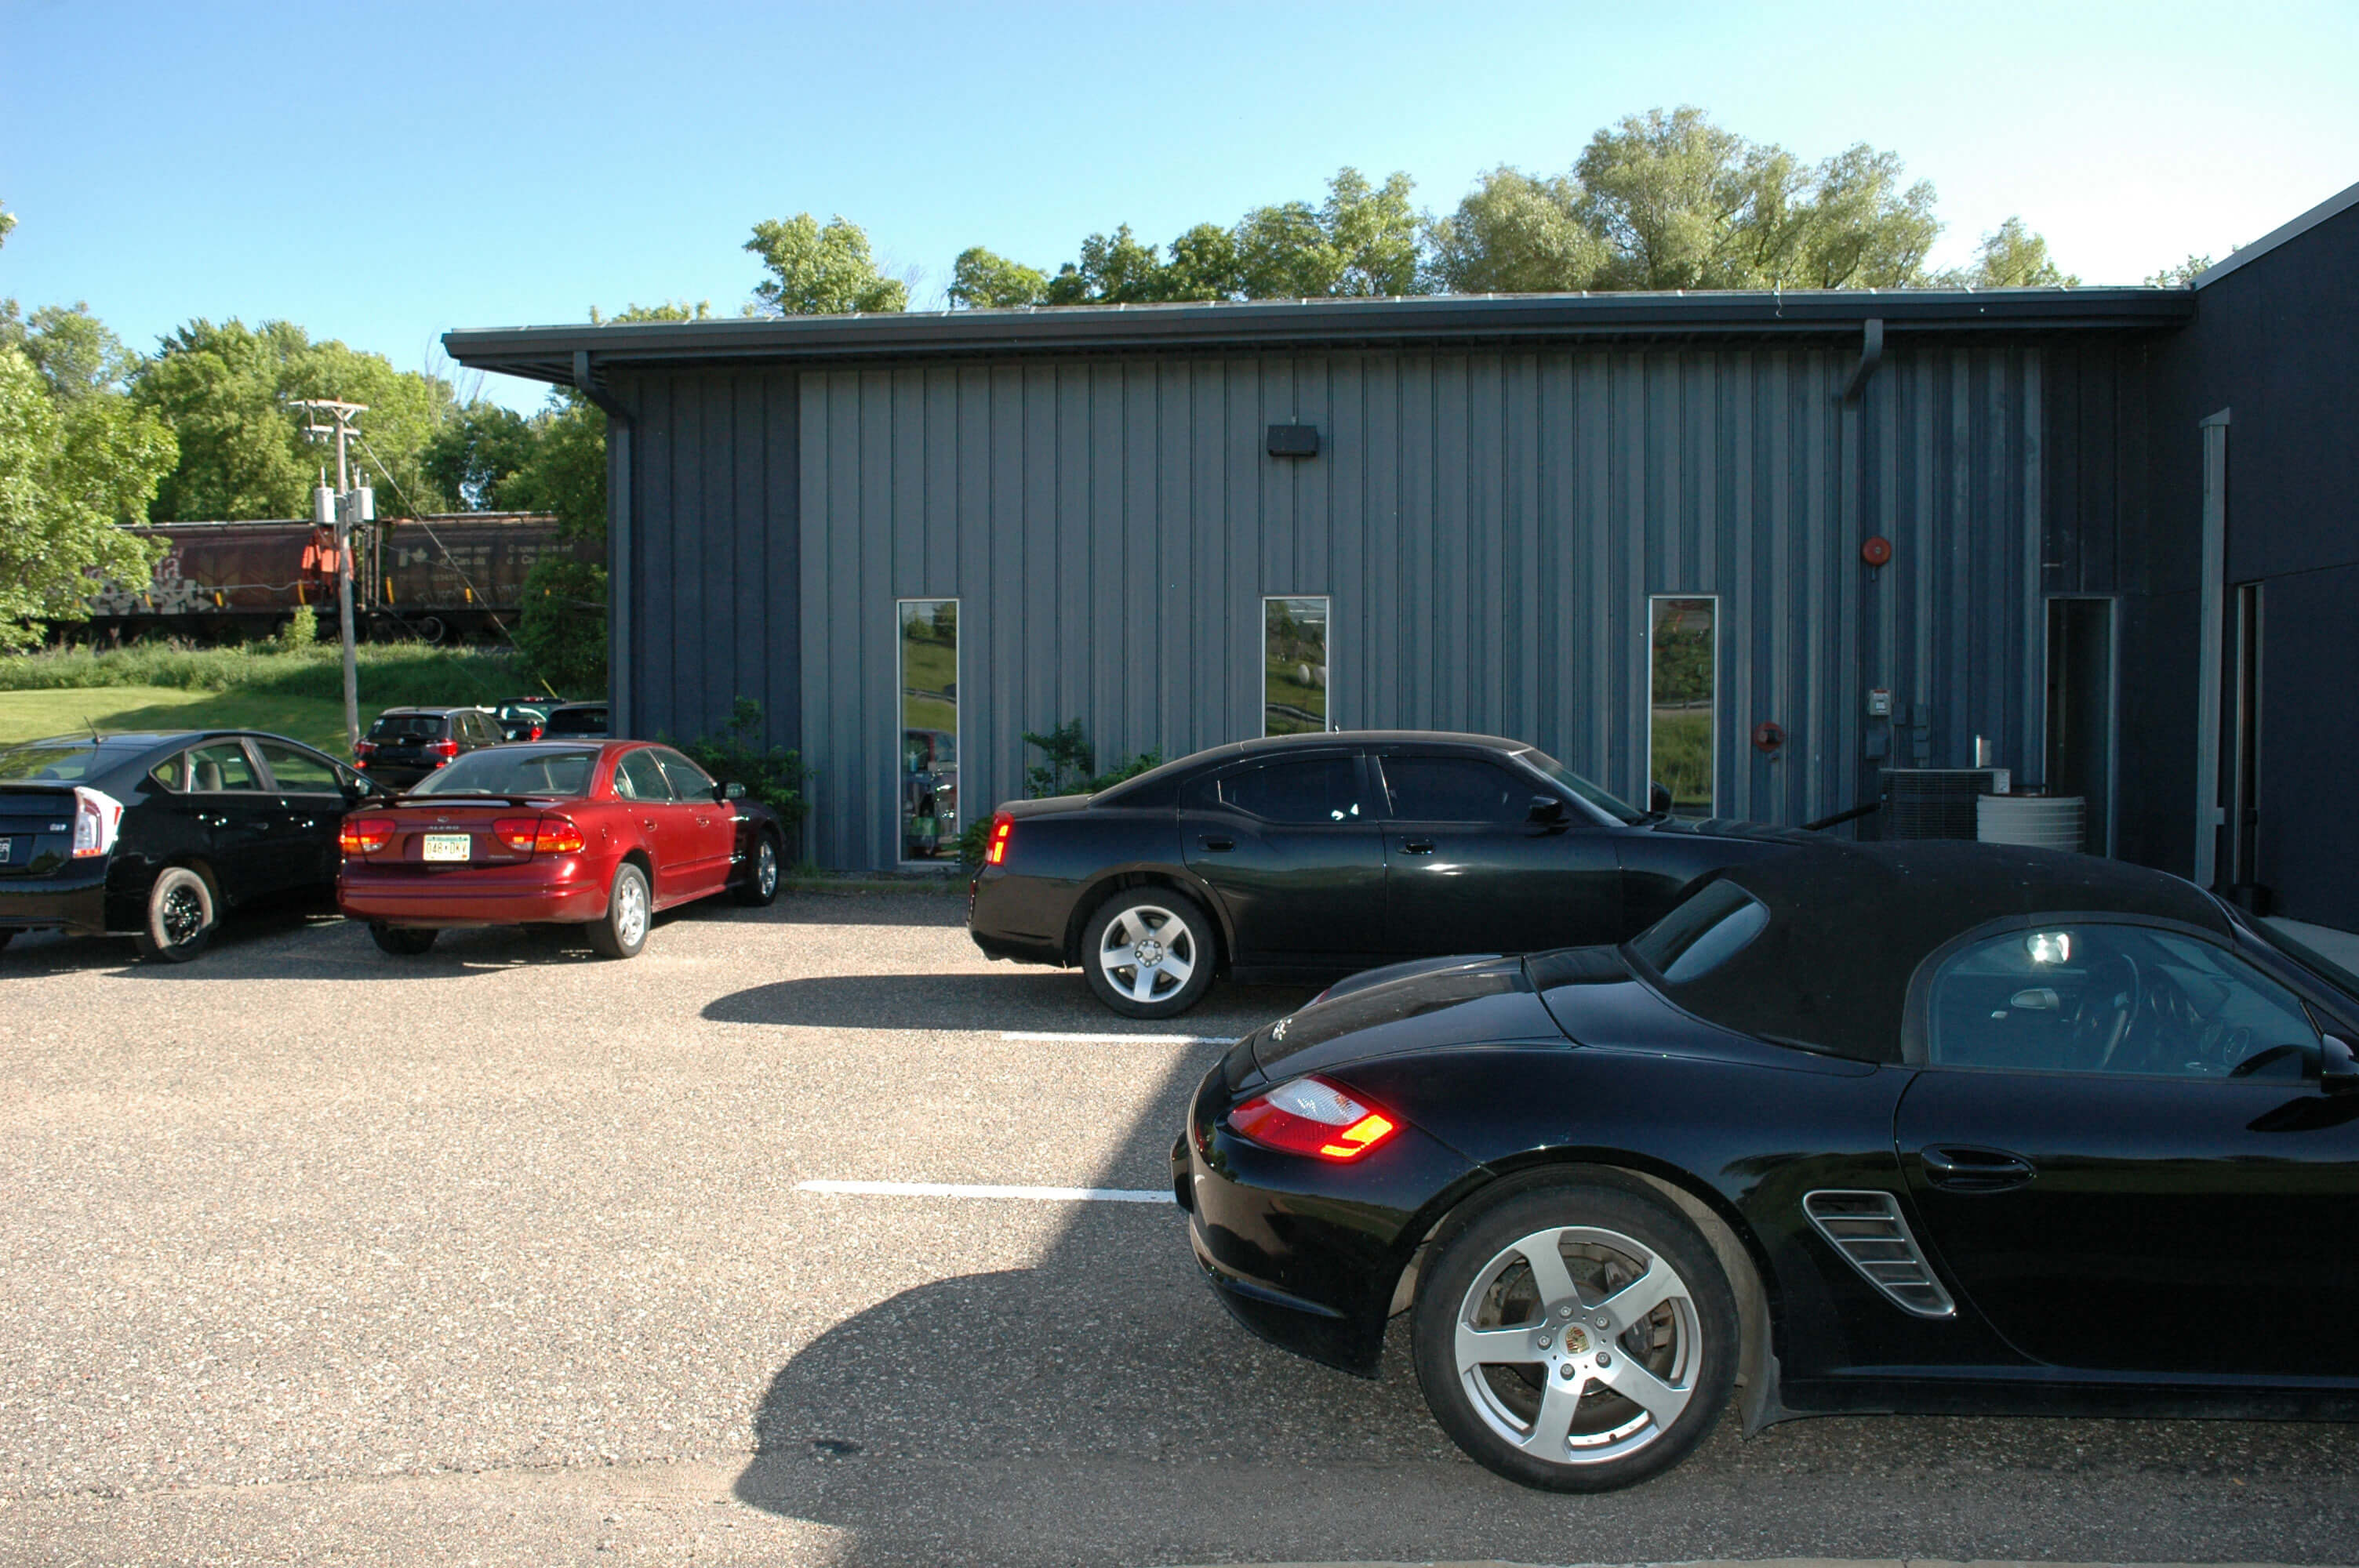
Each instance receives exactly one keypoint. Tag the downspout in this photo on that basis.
(1875, 750)
(1871, 354)
(618, 541)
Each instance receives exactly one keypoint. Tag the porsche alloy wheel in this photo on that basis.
(1149, 952)
(1577, 1338)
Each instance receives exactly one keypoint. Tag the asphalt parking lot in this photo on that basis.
(506, 1254)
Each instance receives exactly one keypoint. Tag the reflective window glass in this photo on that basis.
(2115, 999)
(638, 776)
(299, 772)
(929, 778)
(222, 766)
(1321, 789)
(1681, 637)
(689, 781)
(1454, 789)
(1294, 665)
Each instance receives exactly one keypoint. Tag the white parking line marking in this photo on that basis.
(1121, 1039)
(956, 1190)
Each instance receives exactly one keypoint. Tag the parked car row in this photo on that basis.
(1636, 1119)
(160, 835)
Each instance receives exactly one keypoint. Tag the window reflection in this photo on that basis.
(1294, 665)
(930, 738)
(1682, 647)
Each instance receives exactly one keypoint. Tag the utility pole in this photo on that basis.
(345, 508)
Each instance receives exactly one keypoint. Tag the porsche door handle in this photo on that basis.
(1218, 844)
(1961, 1168)
(1417, 846)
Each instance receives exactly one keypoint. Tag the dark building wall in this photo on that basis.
(711, 547)
(2273, 342)
(1488, 527)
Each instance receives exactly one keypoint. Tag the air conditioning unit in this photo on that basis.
(1938, 803)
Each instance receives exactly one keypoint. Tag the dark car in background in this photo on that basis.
(406, 744)
(1911, 1127)
(156, 835)
(523, 718)
(1306, 857)
(599, 835)
(576, 722)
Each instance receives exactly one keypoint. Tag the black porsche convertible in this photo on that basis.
(1306, 857)
(1864, 1128)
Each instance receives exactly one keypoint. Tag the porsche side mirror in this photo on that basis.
(2338, 1073)
(1545, 811)
(730, 791)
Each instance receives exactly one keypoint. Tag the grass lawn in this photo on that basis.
(30, 715)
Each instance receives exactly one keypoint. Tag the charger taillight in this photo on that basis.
(1003, 828)
(1311, 1116)
(364, 835)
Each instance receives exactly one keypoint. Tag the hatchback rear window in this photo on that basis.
(407, 727)
(506, 770)
(44, 761)
(577, 721)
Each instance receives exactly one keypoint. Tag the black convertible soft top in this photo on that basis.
(1850, 923)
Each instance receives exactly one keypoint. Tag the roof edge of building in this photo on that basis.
(547, 352)
(2334, 206)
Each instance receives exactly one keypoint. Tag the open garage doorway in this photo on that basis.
(2080, 713)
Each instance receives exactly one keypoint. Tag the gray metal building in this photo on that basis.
(1710, 534)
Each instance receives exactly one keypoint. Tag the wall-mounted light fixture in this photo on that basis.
(1294, 440)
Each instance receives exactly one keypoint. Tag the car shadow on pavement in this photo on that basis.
(1015, 998)
(1100, 1406)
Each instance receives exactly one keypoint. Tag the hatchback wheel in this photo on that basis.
(1577, 1338)
(761, 883)
(628, 911)
(182, 916)
(408, 941)
(1149, 952)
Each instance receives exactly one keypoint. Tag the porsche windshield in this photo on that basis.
(510, 770)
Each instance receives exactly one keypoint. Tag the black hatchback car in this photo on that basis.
(1306, 857)
(405, 744)
(155, 835)
(1930, 1127)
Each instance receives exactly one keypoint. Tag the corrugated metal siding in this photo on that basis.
(715, 580)
(1489, 526)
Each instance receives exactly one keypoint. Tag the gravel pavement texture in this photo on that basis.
(311, 1254)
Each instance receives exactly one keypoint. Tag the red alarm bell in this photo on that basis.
(1876, 551)
(1768, 735)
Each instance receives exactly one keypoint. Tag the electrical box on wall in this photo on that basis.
(1879, 702)
(1294, 440)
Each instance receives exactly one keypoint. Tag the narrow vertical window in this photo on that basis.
(1294, 665)
(929, 729)
(1682, 648)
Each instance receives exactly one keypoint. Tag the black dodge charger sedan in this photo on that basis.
(157, 835)
(1865, 1128)
(1306, 857)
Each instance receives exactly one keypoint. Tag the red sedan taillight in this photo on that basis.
(364, 835)
(1003, 828)
(1311, 1115)
(539, 835)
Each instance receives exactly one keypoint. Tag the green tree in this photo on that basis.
(2011, 256)
(228, 390)
(817, 271)
(1861, 227)
(983, 281)
(1113, 269)
(561, 626)
(72, 348)
(1515, 235)
(1204, 264)
(71, 472)
(2182, 273)
(477, 453)
(565, 472)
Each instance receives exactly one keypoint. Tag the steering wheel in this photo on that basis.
(2128, 1000)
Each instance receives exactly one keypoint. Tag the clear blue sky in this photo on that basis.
(381, 173)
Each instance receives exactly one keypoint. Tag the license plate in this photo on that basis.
(7, 849)
(447, 846)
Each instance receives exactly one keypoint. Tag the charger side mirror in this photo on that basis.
(2338, 1072)
(1545, 811)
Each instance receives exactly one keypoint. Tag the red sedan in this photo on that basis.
(601, 835)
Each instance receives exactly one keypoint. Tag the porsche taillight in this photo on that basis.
(1311, 1116)
(364, 835)
(1003, 828)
